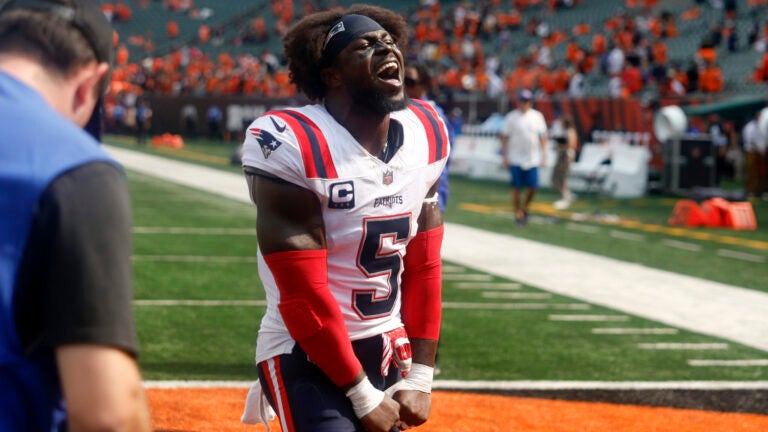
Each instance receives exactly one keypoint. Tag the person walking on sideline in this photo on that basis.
(67, 336)
(349, 232)
(523, 149)
(567, 144)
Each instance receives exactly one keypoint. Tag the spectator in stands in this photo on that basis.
(523, 149)
(711, 78)
(567, 142)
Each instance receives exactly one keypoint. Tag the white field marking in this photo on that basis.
(453, 269)
(195, 258)
(589, 229)
(586, 318)
(669, 298)
(514, 385)
(200, 302)
(741, 255)
(728, 363)
(467, 277)
(634, 331)
(516, 306)
(193, 230)
(623, 235)
(486, 285)
(693, 247)
(683, 346)
(516, 295)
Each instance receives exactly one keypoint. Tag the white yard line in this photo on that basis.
(467, 277)
(194, 258)
(682, 346)
(204, 303)
(193, 230)
(487, 285)
(588, 318)
(633, 331)
(692, 247)
(727, 253)
(623, 235)
(516, 295)
(728, 363)
(699, 305)
(516, 306)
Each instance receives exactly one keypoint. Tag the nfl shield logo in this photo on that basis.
(388, 178)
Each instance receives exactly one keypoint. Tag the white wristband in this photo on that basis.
(419, 378)
(364, 397)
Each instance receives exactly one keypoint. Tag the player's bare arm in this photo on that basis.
(289, 216)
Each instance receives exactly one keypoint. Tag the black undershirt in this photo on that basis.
(75, 282)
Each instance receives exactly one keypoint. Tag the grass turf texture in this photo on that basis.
(216, 343)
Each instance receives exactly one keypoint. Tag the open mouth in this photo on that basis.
(389, 72)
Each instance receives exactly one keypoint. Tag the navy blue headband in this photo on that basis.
(347, 28)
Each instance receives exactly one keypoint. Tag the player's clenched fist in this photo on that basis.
(384, 417)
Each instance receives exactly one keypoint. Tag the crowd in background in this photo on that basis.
(469, 46)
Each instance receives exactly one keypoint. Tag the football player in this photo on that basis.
(349, 231)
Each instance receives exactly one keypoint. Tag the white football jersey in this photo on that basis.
(370, 207)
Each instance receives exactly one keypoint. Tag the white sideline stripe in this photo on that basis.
(683, 346)
(588, 318)
(633, 331)
(517, 295)
(200, 302)
(467, 277)
(623, 235)
(196, 176)
(486, 285)
(515, 385)
(589, 229)
(453, 269)
(729, 363)
(193, 230)
(670, 298)
(516, 306)
(194, 258)
(727, 253)
(693, 247)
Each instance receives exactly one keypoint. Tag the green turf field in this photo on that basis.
(199, 296)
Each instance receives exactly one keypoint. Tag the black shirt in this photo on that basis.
(75, 282)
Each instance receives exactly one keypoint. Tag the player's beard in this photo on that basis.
(377, 102)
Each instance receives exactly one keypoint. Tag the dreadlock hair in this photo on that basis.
(303, 43)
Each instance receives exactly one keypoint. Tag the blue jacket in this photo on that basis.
(37, 145)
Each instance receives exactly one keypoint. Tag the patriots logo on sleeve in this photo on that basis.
(266, 140)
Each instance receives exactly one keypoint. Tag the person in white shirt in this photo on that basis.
(754, 148)
(524, 149)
